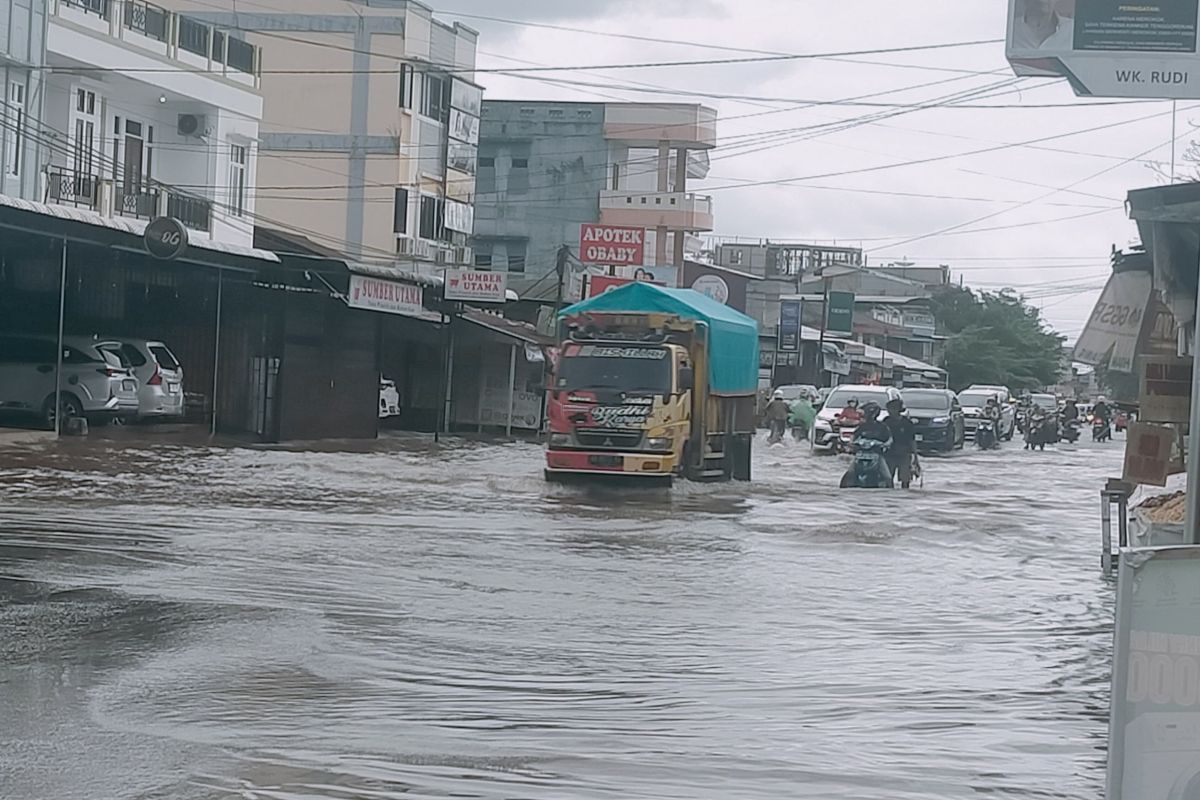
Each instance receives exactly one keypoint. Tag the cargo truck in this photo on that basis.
(653, 383)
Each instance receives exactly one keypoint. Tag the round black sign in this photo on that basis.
(166, 238)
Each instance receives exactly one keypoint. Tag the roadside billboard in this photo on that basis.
(839, 316)
(789, 326)
(1108, 48)
(611, 245)
(474, 286)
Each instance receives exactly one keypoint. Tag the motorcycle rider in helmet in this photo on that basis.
(777, 414)
(872, 428)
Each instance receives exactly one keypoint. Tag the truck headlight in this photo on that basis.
(665, 443)
(560, 440)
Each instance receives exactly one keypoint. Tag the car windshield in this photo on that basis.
(975, 399)
(629, 369)
(937, 401)
(840, 397)
(1046, 401)
(794, 392)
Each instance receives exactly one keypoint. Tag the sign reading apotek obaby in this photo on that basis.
(612, 245)
(473, 286)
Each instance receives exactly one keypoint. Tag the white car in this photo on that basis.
(973, 401)
(389, 399)
(823, 436)
(160, 377)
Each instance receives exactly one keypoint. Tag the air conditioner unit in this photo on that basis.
(443, 256)
(194, 125)
(405, 246)
(463, 255)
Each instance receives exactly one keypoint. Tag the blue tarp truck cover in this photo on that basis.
(732, 336)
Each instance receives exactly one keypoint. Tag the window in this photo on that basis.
(490, 163)
(400, 211)
(431, 217)
(14, 131)
(237, 179)
(485, 180)
(735, 258)
(435, 99)
(516, 261)
(616, 177)
(406, 86)
(483, 256)
(218, 47)
(518, 177)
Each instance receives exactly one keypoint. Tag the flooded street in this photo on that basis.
(422, 622)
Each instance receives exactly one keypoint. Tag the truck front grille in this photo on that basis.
(605, 439)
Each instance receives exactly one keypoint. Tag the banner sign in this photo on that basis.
(789, 326)
(1116, 322)
(611, 245)
(1166, 389)
(1108, 48)
(389, 297)
(473, 286)
(1154, 720)
(460, 217)
(1148, 454)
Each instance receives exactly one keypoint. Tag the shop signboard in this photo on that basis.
(599, 284)
(839, 318)
(665, 275)
(390, 297)
(611, 245)
(460, 217)
(1166, 389)
(789, 326)
(475, 286)
(1108, 48)
(713, 286)
(1154, 719)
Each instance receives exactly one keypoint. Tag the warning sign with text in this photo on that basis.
(612, 245)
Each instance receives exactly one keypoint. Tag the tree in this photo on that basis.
(994, 337)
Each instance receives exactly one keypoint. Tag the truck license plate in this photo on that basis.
(606, 461)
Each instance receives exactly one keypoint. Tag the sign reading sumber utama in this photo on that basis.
(1109, 48)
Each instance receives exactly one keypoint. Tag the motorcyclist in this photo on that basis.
(991, 412)
(1070, 411)
(802, 416)
(850, 416)
(873, 428)
(1102, 410)
(904, 441)
(777, 414)
(1035, 430)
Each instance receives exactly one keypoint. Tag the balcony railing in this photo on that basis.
(71, 188)
(135, 201)
(97, 7)
(147, 19)
(193, 212)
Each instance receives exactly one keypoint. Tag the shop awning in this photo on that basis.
(85, 225)
(509, 328)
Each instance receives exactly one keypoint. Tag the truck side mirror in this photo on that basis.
(687, 379)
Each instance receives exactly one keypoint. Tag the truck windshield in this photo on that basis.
(628, 369)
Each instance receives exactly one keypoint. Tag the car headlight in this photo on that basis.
(660, 443)
(560, 440)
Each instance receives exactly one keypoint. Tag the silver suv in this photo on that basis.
(94, 383)
(160, 377)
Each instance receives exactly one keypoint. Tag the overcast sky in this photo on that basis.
(1039, 248)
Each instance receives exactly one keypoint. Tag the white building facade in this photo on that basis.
(22, 53)
(150, 113)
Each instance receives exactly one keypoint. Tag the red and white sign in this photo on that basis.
(389, 297)
(611, 245)
(599, 284)
(473, 286)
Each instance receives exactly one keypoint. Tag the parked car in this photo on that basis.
(794, 391)
(94, 383)
(160, 377)
(973, 401)
(938, 417)
(389, 399)
(824, 439)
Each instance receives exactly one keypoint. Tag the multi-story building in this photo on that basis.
(371, 123)
(547, 167)
(22, 58)
(147, 113)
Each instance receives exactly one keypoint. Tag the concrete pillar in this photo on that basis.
(681, 166)
(679, 244)
(664, 167)
(660, 245)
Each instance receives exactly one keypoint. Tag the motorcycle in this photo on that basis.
(985, 436)
(844, 438)
(1042, 431)
(868, 469)
(1101, 430)
(778, 427)
(1070, 430)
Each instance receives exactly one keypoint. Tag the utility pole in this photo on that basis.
(824, 316)
(560, 266)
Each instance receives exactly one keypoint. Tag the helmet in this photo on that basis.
(852, 402)
(778, 394)
(1101, 399)
(871, 410)
(897, 402)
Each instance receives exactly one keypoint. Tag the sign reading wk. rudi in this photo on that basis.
(1109, 48)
